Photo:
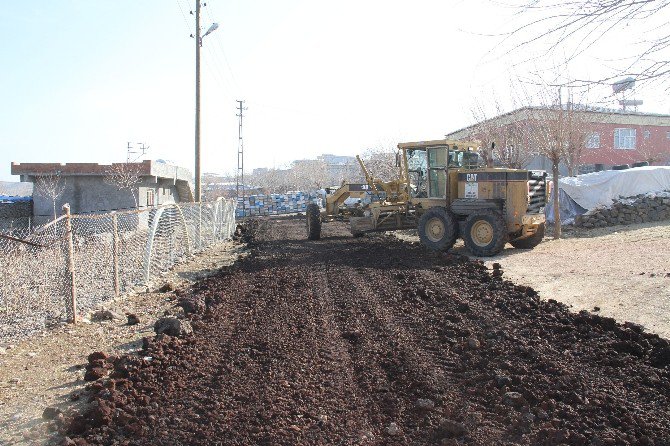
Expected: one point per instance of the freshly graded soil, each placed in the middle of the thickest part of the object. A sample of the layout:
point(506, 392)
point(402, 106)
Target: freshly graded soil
point(373, 341)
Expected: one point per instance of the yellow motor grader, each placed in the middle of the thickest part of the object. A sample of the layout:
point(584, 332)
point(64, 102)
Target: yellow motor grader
point(443, 192)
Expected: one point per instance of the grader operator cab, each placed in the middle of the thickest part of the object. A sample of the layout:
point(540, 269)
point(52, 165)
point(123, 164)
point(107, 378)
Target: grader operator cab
point(443, 191)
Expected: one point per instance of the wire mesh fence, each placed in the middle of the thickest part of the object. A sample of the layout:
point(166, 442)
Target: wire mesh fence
point(110, 255)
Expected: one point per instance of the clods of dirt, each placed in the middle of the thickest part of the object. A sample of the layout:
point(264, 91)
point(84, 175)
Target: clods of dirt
point(374, 341)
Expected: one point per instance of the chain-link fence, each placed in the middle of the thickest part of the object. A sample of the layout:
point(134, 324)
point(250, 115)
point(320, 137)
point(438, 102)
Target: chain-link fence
point(107, 254)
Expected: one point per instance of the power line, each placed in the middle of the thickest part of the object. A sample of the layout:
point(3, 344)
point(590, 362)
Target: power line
point(220, 47)
point(188, 24)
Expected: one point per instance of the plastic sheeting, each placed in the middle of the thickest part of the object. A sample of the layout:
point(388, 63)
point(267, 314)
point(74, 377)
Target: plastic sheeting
point(598, 189)
point(583, 193)
point(567, 207)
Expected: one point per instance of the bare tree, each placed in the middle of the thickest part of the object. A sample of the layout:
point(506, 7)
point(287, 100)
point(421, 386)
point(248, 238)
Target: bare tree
point(50, 186)
point(576, 26)
point(380, 162)
point(308, 175)
point(513, 148)
point(487, 130)
point(125, 176)
point(503, 141)
point(557, 133)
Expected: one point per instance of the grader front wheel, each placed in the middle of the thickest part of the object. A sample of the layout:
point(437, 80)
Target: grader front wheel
point(313, 215)
point(438, 229)
point(530, 242)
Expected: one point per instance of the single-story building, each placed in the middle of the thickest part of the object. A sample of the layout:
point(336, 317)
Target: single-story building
point(96, 188)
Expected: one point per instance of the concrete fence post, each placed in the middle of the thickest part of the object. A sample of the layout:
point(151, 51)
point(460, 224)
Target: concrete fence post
point(72, 304)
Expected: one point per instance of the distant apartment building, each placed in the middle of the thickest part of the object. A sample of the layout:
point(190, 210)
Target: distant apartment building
point(340, 167)
point(88, 187)
point(613, 137)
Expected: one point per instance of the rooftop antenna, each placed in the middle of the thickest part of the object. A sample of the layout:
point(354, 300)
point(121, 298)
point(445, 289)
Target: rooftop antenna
point(620, 87)
point(140, 150)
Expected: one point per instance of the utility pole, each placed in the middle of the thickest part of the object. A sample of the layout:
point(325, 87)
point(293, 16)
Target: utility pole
point(240, 156)
point(197, 101)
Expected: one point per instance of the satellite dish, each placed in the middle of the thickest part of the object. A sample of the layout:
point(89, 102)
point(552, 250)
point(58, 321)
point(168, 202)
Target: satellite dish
point(623, 85)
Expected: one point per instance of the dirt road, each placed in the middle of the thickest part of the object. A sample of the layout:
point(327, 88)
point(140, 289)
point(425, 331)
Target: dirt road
point(623, 271)
point(371, 341)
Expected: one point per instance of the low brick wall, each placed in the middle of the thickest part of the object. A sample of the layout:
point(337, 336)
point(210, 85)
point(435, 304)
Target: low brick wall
point(625, 211)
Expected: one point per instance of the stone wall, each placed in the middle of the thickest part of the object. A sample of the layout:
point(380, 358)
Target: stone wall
point(638, 209)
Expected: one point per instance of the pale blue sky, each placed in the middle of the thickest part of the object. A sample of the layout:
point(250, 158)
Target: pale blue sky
point(80, 78)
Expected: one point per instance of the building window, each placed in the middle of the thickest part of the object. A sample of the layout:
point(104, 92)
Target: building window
point(624, 138)
point(593, 140)
point(647, 134)
point(150, 198)
point(667, 135)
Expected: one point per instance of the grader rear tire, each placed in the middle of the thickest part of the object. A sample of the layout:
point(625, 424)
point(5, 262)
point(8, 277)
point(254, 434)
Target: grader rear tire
point(485, 233)
point(438, 229)
point(313, 217)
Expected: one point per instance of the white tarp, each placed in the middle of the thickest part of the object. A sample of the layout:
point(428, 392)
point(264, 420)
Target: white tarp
point(597, 189)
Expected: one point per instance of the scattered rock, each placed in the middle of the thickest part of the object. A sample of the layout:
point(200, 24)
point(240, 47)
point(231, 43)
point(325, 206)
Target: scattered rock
point(474, 344)
point(3, 351)
point(393, 429)
point(31, 354)
point(352, 336)
point(94, 374)
point(97, 356)
point(167, 287)
point(50, 413)
point(502, 380)
point(192, 305)
point(463, 307)
point(172, 326)
point(542, 414)
point(14, 381)
point(513, 399)
point(596, 309)
point(424, 404)
point(528, 418)
point(176, 311)
point(451, 428)
point(105, 315)
point(132, 319)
